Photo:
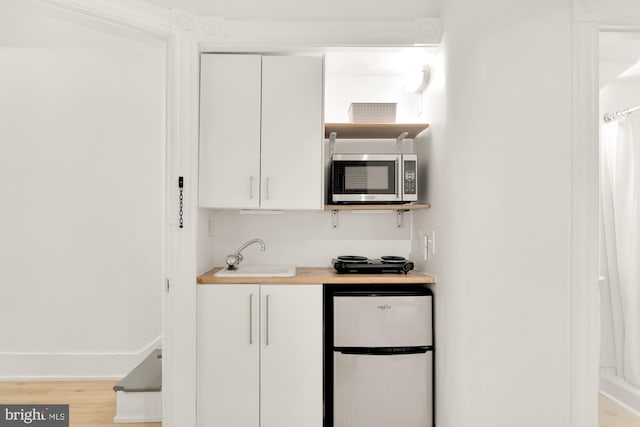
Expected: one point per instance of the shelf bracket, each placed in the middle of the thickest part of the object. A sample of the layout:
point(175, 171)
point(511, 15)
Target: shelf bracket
point(399, 216)
point(332, 141)
point(400, 139)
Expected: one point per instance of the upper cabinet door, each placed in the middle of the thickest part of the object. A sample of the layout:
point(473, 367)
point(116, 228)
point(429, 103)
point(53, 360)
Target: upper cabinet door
point(230, 131)
point(292, 105)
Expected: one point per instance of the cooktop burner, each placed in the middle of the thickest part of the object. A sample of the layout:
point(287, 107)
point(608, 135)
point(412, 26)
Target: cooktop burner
point(353, 259)
point(364, 265)
point(390, 259)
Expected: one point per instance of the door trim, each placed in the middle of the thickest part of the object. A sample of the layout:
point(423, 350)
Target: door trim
point(182, 30)
point(584, 328)
point(186, 35)
point(583, 297)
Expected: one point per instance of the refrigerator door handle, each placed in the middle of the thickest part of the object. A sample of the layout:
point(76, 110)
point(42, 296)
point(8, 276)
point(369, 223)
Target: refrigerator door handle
point(267, 340)
point(383, 351)
point(251, 319)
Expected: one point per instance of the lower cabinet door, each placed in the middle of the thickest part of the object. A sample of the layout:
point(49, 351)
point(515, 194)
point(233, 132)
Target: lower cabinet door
point(291, 358)
point(259, 356)
point(228, 356)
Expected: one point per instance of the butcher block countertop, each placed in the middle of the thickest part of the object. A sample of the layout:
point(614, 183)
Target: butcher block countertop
point(322, 275)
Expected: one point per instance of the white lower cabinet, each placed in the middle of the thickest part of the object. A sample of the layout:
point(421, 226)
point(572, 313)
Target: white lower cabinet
point(259, 356)
point(228, 355)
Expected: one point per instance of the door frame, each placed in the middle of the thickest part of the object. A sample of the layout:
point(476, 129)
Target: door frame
point(176, 29)
point(584, 298)
point(583, 292)
point(186, 35)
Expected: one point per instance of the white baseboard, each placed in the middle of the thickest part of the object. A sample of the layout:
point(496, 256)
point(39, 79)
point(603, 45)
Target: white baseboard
point(138, 407)
point(71, 366)
point(620, 391)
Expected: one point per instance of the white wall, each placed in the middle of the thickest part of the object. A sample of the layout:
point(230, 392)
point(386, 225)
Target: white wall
point(307, 238)
point(618, 12)
point(342, 90)
point(430, 148)
point(500, 208)
point(81, 166)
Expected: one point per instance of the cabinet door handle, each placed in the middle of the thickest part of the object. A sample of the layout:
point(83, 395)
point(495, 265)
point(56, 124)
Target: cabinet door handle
point(251, 319)
point(267, 323)
point(266, 190)
point(251, 187)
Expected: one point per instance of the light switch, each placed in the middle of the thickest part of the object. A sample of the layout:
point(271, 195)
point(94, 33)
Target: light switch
point(428, 244)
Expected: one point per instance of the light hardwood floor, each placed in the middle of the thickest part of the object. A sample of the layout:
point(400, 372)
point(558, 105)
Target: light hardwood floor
point(91, 403)
point(610, 414)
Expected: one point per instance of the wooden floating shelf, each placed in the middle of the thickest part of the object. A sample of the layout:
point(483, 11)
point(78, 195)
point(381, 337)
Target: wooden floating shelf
point(375, 207)
point(399, 210)
point(373, 130)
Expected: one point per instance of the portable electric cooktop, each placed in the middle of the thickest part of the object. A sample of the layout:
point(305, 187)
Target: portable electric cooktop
point(364, 265)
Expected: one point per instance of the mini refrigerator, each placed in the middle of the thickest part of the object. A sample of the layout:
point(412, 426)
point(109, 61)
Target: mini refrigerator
point(379, 362)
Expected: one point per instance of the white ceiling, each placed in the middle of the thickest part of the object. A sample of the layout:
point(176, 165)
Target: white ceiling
point(619, 57)
point(306, 9)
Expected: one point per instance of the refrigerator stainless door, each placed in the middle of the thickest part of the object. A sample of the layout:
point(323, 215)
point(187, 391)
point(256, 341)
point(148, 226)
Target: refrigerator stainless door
point(382, 321)
point(383, 391)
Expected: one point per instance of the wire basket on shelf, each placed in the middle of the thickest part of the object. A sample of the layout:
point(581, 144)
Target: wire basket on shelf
point(372, 112)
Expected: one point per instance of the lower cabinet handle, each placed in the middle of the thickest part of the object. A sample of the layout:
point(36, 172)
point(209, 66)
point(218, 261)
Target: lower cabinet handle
point(267, 323)
point(266, 191)
point(250, 319)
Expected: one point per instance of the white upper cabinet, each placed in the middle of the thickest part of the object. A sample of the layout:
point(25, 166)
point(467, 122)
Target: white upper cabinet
point(230, 131)
point(292, 134)
point(261, 131)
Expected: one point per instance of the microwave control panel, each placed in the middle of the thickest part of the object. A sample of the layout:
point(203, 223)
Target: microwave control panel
point(410, 185)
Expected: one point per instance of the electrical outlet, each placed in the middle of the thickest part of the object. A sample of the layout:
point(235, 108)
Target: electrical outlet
point(210, 226)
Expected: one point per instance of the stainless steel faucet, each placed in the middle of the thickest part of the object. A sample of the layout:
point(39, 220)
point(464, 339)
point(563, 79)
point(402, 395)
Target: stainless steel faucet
point(233, 261)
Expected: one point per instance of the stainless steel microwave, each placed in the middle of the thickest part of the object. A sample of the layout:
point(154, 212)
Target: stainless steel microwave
point(374, 178)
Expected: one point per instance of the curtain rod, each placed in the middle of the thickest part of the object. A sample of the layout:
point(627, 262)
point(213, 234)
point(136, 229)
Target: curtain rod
point(609, 117)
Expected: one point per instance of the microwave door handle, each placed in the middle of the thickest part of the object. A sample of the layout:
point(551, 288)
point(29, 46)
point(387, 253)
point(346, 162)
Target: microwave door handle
point(399, 176)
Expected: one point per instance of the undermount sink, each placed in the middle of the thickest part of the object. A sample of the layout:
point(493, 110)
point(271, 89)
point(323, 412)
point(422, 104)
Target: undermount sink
point(255, 270)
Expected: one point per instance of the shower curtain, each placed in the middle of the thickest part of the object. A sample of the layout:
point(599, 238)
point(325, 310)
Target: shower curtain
point(620, 243)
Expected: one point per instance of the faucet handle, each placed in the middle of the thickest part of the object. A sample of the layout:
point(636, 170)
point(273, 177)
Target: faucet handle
point(233, 261)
